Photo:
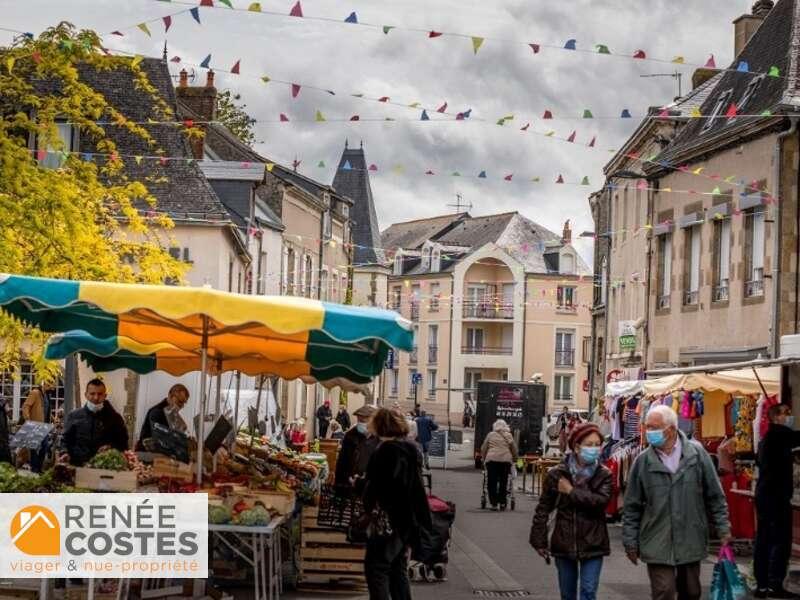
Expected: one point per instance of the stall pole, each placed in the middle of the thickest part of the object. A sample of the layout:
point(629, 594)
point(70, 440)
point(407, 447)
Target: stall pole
point(763, 389)
point(236, 404)
point(218, 402)
point(261, 379)
point(203, 401)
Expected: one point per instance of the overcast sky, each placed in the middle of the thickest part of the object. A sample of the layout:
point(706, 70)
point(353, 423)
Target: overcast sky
point(504, 78)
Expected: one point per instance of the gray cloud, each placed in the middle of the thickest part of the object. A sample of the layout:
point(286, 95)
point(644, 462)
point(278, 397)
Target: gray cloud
point(504, 78)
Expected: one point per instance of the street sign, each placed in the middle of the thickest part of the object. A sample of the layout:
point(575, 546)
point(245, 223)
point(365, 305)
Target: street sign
point(416, 378)
point(390, 359)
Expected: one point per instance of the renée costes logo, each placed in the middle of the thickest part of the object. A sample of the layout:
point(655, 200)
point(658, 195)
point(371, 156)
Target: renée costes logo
point(104, 535)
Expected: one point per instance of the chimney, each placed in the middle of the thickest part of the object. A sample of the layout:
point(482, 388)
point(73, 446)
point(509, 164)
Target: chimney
point(566, 235)
point(201, 102)
point(745, 26)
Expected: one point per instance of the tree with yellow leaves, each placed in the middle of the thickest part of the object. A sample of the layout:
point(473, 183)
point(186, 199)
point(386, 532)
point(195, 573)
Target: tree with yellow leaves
point(64, 214)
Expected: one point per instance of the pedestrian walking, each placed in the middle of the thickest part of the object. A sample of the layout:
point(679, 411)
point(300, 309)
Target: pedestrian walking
point(499, 452)
point(673, 492)
point(774, 490)
point(578, 491)
point(397, 508)
point(425, 428)
point(324, 416)
point(343, 417)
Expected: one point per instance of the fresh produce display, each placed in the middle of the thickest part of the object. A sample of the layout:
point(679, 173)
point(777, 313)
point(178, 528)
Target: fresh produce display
point(253, 517)
point(111, 460)
point(12, 480)
point(144, 473)
point(219, 514)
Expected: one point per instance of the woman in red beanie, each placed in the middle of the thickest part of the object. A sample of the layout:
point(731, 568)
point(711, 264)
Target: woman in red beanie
point(578, 490)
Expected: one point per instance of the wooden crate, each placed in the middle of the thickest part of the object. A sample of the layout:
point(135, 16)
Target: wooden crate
point(103, 480)
point(330, 448)
point(283, 502)
point(328, 562)
point(164, 466)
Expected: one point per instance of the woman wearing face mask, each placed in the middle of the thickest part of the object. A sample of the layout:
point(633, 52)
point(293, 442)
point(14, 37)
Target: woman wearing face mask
point(578, 490)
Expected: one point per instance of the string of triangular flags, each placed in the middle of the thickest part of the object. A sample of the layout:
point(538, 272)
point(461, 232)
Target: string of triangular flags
point(476, 42)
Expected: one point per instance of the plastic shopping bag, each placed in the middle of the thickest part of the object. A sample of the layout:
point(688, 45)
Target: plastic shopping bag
point(727, 583)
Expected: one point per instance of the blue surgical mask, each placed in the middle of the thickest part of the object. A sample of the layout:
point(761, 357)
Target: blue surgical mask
point(94, 407)
point(788, 421)
point(656, 438)
point(590, 454)
point(362, 428)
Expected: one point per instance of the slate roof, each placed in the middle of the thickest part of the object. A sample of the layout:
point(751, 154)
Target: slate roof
point(179, 187)
point(411, 235)
point(776, 43)
point(523, 239)
point(354, 183)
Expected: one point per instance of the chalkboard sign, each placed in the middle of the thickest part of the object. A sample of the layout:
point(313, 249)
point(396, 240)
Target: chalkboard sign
point(438, 445)
point(31, 435)
point(217, 435)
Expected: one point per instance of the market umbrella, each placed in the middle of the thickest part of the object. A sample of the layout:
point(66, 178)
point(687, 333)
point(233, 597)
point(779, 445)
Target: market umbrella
point(221, 326)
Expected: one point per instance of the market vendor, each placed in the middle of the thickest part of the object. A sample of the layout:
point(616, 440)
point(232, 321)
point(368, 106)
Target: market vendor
point(166, 413)
point(357, 448)
point(94, 427)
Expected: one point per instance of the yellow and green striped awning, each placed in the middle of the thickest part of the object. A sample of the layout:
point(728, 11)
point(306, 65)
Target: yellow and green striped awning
point(147, 327)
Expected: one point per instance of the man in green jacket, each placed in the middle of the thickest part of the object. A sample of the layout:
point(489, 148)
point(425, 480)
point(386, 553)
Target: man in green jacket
point(673, 491)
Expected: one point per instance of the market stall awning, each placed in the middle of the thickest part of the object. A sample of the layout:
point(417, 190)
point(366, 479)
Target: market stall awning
point(167, 326)
point(737, 381)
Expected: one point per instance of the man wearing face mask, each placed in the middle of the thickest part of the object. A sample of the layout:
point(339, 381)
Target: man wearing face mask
point(166, 413)
point(673, 491)
point(357, 448)
point(94, 427)
point(774, 490)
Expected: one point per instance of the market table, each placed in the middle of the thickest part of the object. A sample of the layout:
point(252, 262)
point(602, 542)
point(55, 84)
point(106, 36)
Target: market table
point(260, 547)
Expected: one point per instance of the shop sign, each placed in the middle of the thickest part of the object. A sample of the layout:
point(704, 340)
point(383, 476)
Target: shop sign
point(627, 336)
point(104, 535)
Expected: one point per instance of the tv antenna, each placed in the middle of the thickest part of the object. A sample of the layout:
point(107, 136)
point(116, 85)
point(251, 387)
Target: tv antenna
point(676, 75)
point(191, 75)
point(460, 205)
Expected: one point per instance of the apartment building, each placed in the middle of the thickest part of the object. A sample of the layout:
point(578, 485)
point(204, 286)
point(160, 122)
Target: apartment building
point(491, 297)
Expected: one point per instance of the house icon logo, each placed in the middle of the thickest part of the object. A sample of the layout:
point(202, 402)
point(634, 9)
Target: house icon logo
point(35, 530)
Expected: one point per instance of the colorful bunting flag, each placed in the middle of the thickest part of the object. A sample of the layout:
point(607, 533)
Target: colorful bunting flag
point(353, 18)
point(424, 116)
point(347, 166)
point(766, 113)
point(571, 137)
point(138, 159)
point(591, 144)
point(297, 10)
point(195, 12)
point(319, 118)
point(679, 60)
point(235, 68)
point(695, 112)
point(560, 179)
point(429, 173)
point(743, 66)
point(254, 7)
point(467, 113)
point(477, 42)
point(711, 63)
point(135, 62)
point(295, 90)
point(587, 114)
point(774, 72)
point(167, 22)
point(36, 56)
point(119, 33)
point(547, 115)
point(355, 118)
point(284, 118)
point(206, 62)
point(508, 177)
point(642, 185)
point(207, 3)
point(571, 45)
point(265, 78)
point(716, 192)
point(626, 114)
point(585, 180)
point(434, 34)
point(535, 48)
point(142, 26)
point(384, 99)
point(482, 175)
point(732, 111)
point(387, 28)
point(442, 108)
point(525, 127)
point(270, 166)
point(227, 3)
point(455, 174)
point(640, 54)
point(603, 49)
point(414, 105)
point(373, 167)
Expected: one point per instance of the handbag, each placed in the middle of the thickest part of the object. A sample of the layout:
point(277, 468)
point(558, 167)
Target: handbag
point(369, 525)
point(727, 582)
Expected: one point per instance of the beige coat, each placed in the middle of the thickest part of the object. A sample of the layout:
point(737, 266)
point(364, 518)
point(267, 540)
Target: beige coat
point(33, 407)
point(499, 447)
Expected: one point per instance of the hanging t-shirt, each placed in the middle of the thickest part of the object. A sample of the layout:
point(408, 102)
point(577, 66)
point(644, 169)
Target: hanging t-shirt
point(713, 420)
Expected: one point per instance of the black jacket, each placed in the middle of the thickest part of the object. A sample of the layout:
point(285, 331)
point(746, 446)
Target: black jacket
point(354, 455)
point(343, 418)
point(394, 483)
point(324, 414)
point(86, 432)
point(775, 485)
point(155, 415)
point(580, 530)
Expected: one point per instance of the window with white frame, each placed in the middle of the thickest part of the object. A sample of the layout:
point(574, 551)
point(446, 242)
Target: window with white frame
point(433, 344)
point(431, 383)
point(562, 388)
point(664, 271)
point(412, 373)
point(474, 340)
point(436, 261)
point(692, 246)
point(326, 225)
point(754, 251)
point(308, 276)
point(567, 264)
point(323, 282)
point(398, 263)
point(290, 272)
point(435, 295)
point(720, 107)
point(397, 296)
point(566, 297)
point(53, 156)
point(722, 259)
point(261, 287)
point(394, 382)
point(604, 281)
point(565, 348)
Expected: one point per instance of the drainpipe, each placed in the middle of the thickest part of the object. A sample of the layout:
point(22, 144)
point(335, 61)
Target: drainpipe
point(775, 338)
point(450, 350)
point(524, 322)
point(651, 202)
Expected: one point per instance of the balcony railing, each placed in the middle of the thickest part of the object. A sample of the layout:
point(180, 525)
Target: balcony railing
point(487, 310)
point(497, 350)
point(690, 298)
point(415, 311)
point(565, 358)
point(565, 399)
point(433, 354)
point(396, 304)
point(413, 356)
point(754, 288)
point(721, 293)
point(663, 301)
point(567, 308)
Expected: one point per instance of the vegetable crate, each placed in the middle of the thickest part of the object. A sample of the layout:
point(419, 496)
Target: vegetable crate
point(103, 480)
point(330, 448)
point(164, 466)
point(327, 560)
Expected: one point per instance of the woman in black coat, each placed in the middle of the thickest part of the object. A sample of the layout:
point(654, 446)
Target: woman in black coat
point(578, 490)
point(395, 496)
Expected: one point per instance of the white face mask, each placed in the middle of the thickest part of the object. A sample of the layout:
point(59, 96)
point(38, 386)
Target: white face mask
point(94, 407)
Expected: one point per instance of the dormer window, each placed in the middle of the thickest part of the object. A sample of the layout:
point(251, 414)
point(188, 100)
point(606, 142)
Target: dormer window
point(752, 88)
point(567, 264)
point(426, 258)
point(398, 264)
point(721, 106)
point(436, 261)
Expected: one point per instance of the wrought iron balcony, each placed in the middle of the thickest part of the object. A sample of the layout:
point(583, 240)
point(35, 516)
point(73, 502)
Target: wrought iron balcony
point(433, 354)
point(691, 298)
point(488, 350)
point(413, 356)
point(754, 288)
point(565, 358)
point(488, 310)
